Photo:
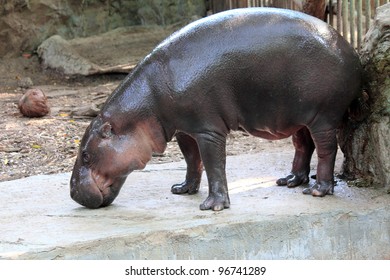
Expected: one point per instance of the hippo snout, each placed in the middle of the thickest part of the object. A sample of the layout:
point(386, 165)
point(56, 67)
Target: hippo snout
point(83, 190)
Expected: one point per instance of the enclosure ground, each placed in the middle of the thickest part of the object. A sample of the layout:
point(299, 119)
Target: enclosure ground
point(147, 221)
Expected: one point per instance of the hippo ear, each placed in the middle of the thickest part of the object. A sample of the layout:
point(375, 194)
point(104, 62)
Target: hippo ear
point(105, 130)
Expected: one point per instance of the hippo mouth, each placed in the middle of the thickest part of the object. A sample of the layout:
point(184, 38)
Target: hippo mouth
point(110, 192)
point(89, 192)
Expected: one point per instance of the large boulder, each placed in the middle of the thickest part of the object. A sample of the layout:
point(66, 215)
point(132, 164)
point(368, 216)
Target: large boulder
point(116, 51)
point(25, 24)
point(367, 145)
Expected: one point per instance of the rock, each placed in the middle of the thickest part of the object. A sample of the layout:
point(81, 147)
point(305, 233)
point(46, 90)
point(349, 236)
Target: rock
point(116, 51)
point(25, 82)
point(58, 54)
point(367, 145)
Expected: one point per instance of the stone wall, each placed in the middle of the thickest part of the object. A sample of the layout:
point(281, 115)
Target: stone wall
point(24, 24)
point(367, 146)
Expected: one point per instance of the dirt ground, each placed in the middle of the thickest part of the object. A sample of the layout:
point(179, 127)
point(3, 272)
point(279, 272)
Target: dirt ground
point(31, 146)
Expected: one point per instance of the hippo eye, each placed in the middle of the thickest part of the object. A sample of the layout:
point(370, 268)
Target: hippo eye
point(86, 157)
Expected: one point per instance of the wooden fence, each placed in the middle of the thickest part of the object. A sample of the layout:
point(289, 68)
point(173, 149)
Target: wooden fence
point(352, 18)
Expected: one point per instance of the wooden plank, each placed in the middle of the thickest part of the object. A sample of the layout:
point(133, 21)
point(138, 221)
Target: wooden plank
point(359, 23)
point(352, 22)
point(345, 18)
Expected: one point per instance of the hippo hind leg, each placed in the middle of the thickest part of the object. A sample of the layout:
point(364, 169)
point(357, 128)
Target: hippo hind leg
point(326, 146)
point(304, 148)
point(190, 150)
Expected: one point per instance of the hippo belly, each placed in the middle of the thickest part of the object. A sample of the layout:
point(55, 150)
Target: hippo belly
point(272, 72)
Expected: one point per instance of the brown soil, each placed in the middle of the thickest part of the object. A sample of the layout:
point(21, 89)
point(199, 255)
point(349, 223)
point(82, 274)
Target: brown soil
point(31, 146)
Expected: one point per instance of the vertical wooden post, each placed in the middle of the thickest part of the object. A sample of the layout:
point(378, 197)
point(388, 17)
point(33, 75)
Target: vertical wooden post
point(352, 22)
point(339, 8)
point(368, 14)
point(345, 18)
point(377, 3)
point(359, 23)
point(330, 8)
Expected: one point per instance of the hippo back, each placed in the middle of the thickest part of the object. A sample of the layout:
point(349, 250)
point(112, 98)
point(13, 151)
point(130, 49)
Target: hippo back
point(259, 62)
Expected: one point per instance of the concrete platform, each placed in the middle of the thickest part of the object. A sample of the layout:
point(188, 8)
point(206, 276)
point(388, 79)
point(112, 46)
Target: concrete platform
point(40, 221)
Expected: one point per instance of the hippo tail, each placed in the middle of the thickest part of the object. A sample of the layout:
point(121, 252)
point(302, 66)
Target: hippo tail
point(357, 112)
point(360, 108)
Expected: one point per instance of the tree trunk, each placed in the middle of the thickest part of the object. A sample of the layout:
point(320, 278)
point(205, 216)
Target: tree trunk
point(366, 145)
point(315, 8)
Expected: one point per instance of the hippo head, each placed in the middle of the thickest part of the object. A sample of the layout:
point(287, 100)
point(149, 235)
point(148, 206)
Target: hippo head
point(106, 156)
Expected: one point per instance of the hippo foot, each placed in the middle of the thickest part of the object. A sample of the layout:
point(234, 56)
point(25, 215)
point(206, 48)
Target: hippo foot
point(293, 180)
point(191, 187)
point(215, 203)
point(320, 190)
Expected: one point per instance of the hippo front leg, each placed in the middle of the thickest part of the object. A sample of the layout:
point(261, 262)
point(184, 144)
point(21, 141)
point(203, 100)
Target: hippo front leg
point(212, 148)
point(190, 150)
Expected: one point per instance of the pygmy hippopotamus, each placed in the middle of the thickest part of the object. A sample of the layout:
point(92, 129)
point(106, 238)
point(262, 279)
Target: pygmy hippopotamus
point(271, 72)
